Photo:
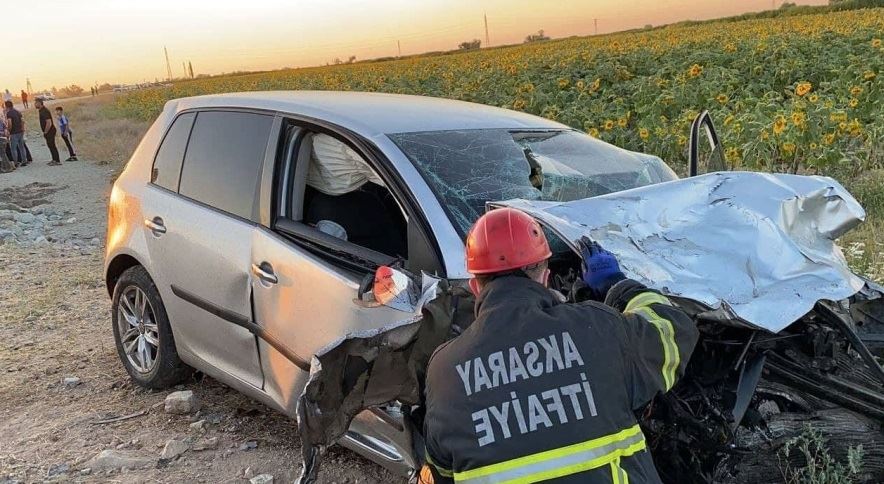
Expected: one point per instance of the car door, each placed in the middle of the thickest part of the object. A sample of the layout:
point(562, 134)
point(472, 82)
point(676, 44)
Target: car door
point(306, 283)
point(200, 238)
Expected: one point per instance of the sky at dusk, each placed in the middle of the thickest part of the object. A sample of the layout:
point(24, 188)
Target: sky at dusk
point(120, 41)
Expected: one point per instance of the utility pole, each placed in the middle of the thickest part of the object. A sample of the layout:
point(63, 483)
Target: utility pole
point(184, 68)
point(190, 69)
point(168, 66)
point(596, 22)
point(28, 83)
point(487, 39)
point(399, 46)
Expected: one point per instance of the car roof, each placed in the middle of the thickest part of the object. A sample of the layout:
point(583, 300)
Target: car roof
point(371, 114)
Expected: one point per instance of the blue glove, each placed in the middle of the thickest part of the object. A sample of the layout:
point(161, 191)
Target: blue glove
point(600, 268)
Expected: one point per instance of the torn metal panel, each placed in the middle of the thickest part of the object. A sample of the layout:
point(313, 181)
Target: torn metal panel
point(369, 368)
point(755, 247)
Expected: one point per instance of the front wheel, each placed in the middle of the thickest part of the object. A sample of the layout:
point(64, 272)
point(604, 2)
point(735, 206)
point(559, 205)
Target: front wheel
point(142, 333)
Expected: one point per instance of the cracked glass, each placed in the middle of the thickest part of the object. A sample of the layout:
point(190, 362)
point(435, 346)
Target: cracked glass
point(465, 169)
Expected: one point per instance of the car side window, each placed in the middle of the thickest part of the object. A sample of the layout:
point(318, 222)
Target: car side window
point(167, 164)
point(337, 193)
point(223, 161)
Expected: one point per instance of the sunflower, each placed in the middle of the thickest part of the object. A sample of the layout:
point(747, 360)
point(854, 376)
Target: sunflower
point(869, 75)
point(563, 83)
point(622, 122)
point(581, 85)
point(695, 70)
point(519, 104)
point(721, 98)
point(798, 118)
point(829, 138)
point(854, 102)
point(644, 133)
point(593, 132)
point(779, 124)
point(803, 88)
point(856, 91)
point(876, 43)
point(789, 148)
point(609, 125)
point(813, 98)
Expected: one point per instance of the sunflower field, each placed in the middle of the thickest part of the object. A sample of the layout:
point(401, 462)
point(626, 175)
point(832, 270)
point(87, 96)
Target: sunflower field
point(797, 94)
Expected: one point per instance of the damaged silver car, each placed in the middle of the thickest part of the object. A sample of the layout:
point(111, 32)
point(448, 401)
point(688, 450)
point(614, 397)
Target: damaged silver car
point(306, 248)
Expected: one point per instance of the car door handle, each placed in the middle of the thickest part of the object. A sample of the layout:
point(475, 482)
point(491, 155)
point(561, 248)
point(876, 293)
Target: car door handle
point(155, 225)
point(265, 273)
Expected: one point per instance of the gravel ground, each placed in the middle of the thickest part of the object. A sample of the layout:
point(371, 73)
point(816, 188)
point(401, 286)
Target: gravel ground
point(60, 377)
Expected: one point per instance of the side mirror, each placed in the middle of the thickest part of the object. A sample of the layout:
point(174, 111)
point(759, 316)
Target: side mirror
point(710, 158)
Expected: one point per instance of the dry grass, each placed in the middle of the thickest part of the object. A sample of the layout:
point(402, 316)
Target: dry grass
point(98, 135)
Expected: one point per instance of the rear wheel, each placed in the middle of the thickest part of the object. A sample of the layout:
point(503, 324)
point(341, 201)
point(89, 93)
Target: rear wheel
point(142, 333)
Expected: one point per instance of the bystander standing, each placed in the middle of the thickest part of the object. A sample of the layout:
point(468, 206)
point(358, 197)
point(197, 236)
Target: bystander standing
point(49, 131)
point(64, 125)
point(16, 127)
point(5, 164)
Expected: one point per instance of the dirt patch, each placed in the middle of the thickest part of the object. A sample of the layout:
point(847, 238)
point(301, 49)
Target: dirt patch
point(55, 324)
point(27, 196)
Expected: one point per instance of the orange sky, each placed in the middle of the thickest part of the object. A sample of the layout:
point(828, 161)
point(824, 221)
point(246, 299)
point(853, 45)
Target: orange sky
point(88, 41)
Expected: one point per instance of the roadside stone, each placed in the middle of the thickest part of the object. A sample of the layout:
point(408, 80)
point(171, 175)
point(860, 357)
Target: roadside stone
point(71, 381)
point(41, 241)
point(109, 460)
point(198, 426)
point(206, 444)
point(85, 471)
point(182, 402)
point(24, 217)
point(7, 215)
point(94, 241)
point(71, 220)
point(174, 448)
point(58, 469)
point(248, 473)
point(250, 445)
point(262, 479)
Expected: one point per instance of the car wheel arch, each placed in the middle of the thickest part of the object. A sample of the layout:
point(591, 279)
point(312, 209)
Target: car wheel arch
point(119, 264)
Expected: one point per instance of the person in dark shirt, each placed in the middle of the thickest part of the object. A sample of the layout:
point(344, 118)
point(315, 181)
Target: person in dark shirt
point(16, 126)
point(49, 131)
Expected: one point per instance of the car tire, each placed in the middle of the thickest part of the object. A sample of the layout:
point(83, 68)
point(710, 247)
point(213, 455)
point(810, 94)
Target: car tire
point(151, 360)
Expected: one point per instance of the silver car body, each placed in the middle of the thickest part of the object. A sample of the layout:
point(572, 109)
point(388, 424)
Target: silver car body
point(204, 262)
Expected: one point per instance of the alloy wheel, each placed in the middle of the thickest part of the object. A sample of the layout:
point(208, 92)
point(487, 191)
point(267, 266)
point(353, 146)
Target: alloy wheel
point(139, 334)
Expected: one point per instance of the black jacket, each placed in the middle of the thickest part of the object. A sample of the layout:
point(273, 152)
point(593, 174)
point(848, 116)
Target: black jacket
point(538, 390)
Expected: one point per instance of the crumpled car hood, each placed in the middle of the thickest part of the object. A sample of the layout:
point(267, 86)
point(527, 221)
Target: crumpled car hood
point(754, 247)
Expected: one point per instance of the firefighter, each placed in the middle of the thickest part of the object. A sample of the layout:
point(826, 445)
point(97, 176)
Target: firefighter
point(538, 390)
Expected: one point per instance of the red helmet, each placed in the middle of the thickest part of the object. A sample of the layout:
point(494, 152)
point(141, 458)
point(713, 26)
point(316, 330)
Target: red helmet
point(504, 240)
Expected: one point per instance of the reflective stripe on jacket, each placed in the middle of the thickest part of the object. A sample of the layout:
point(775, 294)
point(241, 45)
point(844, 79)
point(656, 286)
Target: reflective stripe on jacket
point(536, 390)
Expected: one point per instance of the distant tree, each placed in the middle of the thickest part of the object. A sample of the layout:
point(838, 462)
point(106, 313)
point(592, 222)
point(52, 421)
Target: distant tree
point(786, 5)
point(470, 45)
point(106, 87)
point(648, 26)
point(538, 37)
point(338, 61)
point(69, 91)
point(351, 59)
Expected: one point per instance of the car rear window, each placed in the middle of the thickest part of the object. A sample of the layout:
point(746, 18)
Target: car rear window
point(167, 164)
point(223, 160)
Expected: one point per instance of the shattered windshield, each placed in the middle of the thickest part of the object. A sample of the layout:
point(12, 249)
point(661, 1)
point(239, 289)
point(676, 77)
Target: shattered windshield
point(466, 169)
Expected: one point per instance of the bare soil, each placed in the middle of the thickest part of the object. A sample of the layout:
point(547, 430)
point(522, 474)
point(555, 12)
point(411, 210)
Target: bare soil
point(55, 324)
